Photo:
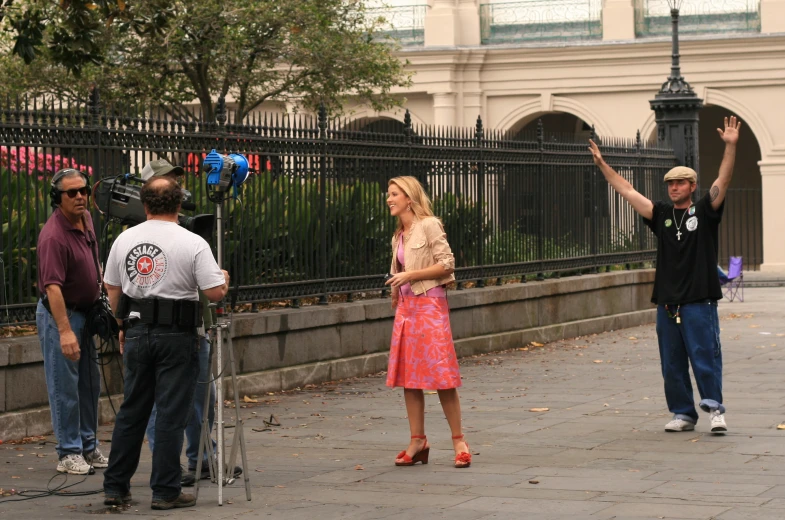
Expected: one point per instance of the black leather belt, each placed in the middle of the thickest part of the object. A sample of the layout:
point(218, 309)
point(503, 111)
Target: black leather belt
point(159, 311)
point(77, 308)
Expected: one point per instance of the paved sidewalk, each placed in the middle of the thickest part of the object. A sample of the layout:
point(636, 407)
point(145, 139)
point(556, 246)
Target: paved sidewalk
point(599, 452)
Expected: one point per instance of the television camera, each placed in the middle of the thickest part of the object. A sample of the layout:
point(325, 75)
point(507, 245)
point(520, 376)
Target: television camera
point(119, 199)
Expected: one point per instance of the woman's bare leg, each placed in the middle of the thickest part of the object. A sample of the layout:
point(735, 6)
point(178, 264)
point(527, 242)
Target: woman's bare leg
point(415, 409)
point(451, 404)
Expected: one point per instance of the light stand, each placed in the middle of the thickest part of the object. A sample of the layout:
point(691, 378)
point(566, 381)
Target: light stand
point(223, 173)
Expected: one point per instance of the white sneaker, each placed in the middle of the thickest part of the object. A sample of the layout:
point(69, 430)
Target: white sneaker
point(718, 422)
point(679, 425)
point(96, 459)
point(73, 464)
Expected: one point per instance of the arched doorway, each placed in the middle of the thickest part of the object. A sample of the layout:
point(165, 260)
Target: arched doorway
point(521, 186)
point(741, 231)
point(556, 126)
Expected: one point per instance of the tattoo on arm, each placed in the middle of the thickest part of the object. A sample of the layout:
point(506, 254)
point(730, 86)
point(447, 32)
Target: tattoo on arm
point(714, 193)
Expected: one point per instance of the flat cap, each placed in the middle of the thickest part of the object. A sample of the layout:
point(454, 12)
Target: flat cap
point(681, 172)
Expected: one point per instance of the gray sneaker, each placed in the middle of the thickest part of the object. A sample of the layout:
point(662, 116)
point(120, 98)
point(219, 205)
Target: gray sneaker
point(73, 464)
point(96, 459)
point(679, 425)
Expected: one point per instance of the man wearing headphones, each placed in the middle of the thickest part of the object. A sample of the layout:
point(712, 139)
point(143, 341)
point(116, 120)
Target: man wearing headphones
point(153, 276)
point(68, 276)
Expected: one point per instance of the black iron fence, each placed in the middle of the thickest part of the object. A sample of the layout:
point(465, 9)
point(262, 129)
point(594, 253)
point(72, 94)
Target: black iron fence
point(741, 231)
point(312, 220)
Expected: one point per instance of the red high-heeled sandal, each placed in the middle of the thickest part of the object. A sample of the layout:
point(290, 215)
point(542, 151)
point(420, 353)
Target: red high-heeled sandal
point(420, 456)
point(463, 459)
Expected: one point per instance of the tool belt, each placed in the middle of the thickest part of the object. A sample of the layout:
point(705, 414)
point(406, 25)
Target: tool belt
point(160, 311)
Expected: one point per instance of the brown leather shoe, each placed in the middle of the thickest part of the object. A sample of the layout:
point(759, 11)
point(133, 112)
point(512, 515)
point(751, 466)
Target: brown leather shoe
point(115, 500)
point(183, 500)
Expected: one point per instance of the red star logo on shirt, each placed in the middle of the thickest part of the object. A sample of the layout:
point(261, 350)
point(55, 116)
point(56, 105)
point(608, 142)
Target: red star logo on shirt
point(144, 265)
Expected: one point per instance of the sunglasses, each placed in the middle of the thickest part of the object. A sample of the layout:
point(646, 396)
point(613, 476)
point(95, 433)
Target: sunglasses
point(83, 191)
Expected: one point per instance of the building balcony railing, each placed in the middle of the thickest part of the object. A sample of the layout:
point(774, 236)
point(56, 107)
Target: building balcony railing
point(540, 20)
point(403, 23)
point(652, 17)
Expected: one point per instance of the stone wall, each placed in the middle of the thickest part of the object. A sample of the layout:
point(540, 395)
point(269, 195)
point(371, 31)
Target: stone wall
point(289, 348)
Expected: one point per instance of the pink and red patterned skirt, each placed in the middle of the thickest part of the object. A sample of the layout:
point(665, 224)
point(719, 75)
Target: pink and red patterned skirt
point(422, 353)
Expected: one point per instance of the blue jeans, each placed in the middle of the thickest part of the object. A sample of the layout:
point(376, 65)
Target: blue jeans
point(193, 431)
point(695, 341)
point(73, 386)
point(161, 368)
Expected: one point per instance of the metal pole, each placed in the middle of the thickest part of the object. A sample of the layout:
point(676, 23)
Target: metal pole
point(219, 391)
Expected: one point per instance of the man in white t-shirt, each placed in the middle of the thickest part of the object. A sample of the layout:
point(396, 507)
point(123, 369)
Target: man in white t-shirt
point(153, 275)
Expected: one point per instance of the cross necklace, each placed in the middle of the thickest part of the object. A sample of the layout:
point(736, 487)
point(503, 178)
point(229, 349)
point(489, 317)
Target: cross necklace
point(678, 226)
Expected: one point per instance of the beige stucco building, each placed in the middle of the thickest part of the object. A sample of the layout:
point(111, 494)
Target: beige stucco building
point(601, 61)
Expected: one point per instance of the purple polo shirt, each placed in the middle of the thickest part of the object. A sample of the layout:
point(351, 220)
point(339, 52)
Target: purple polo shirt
point(65, 258)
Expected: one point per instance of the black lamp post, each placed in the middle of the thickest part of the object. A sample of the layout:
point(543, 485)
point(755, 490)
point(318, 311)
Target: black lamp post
point(676, 106)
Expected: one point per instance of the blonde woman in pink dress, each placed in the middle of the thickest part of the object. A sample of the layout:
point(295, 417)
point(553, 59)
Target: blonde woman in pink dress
point(422, 353)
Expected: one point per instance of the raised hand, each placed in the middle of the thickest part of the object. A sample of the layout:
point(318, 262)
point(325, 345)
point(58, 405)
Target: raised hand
point(595, 152)
point(731, 132)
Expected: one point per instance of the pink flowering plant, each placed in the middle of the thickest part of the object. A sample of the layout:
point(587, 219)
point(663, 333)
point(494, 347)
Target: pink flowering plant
point(25, 173)
point(32, 162)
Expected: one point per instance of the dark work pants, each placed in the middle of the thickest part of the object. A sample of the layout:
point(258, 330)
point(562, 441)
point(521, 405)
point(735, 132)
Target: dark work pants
point(161, 368)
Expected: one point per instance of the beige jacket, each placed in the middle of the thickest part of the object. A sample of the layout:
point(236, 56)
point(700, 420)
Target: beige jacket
point(425, 246)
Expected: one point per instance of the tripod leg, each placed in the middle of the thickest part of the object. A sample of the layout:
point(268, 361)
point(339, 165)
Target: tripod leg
point(239, 437)
point(219, 419)
point(205, 442)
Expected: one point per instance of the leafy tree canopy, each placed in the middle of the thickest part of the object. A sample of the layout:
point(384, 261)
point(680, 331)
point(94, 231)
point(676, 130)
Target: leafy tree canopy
point(301, 51)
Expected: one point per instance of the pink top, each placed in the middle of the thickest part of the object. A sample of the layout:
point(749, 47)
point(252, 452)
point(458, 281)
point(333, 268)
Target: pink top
point(406, 290)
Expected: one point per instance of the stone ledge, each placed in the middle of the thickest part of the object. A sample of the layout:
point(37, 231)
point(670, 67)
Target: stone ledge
point(38, 421)
point(288, 320)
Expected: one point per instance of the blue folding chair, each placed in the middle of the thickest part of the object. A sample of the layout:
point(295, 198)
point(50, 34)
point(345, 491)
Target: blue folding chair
point(733, 287)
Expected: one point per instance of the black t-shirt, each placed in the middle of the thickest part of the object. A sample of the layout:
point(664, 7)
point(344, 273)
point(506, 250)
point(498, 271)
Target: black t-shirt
point(687, 241)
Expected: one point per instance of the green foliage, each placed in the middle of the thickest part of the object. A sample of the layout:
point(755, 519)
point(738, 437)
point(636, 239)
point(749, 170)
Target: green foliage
point(276, 232)
point(463, 225)
point(510, 246)
point(174, 51)
point(24, 204)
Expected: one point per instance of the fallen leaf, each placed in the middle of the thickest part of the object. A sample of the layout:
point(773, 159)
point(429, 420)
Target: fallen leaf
point(539, 409)
point(430, 393)
point(359, 467)
point(597, 361)
point(632, 338)
point(534, 482)
point(535, 344)
point(781, 426)
point(249, 400)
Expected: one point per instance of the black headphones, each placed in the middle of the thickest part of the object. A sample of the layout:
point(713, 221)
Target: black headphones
point(55, 197)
